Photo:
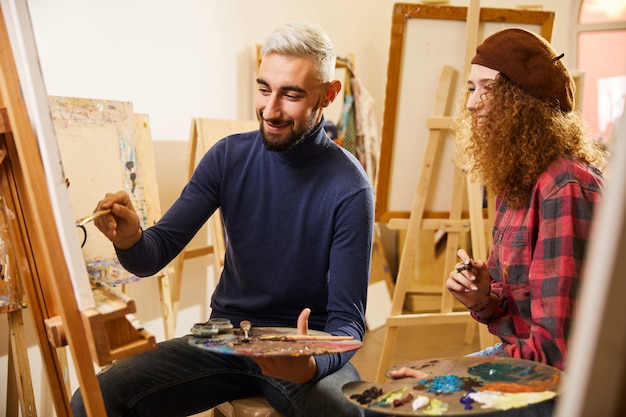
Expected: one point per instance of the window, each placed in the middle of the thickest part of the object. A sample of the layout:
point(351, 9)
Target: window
point(601, 57)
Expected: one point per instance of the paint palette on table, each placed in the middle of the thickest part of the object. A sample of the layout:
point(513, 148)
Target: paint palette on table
point(274, 341)
point(459, 386)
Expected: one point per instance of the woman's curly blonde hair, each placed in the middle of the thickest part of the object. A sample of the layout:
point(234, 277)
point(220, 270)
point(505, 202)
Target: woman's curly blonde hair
point(517, 140)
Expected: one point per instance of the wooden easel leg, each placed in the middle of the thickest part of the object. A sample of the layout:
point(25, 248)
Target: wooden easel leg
point(18, 353)
point(386, 353)
point(12, 396)
point(470, 332)
point(64, 365)
point(167, 308)
point(486, 339)
point(411, 244)
point(176, 282)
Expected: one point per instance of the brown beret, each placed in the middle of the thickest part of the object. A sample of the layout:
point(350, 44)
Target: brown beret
point(530, 62)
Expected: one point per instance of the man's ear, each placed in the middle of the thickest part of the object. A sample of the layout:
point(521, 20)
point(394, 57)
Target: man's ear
point(333, 89)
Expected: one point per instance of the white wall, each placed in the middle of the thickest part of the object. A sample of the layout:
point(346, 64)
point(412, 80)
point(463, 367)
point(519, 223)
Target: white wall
point(195, 58)
point(192, 58)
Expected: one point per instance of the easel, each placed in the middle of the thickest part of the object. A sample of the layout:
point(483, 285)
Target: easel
point(454, 223)
point(19, 381)
point(37, 199)
point(203, 135)
point(144, 138)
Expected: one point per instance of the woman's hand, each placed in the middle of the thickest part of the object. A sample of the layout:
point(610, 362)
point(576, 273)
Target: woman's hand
point(470, 283)
point(405, 372)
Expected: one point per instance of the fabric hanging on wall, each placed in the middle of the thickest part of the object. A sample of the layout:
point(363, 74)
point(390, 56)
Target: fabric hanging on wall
point(357, 128)
point(348, 127)
point(368, 141)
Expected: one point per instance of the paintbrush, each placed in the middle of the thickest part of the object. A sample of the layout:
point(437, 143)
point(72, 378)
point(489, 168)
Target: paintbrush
point(466, 266)
point(92, 216)
point(278, 337)
point(245, 326)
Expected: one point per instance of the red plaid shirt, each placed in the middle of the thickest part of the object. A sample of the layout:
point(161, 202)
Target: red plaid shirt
point(536, 260)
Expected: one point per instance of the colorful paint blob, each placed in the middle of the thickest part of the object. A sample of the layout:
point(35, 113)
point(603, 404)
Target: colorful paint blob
point(436, 408)
point(447, 384)
point(498, 371)
point(386, 400)
point(507, 400)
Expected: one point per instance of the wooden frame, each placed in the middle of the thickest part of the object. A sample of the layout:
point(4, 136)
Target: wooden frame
point(403, 14)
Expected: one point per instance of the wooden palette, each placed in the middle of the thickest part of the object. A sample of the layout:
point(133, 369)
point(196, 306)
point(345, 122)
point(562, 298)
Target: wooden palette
point(274, 341)
point(459, 386)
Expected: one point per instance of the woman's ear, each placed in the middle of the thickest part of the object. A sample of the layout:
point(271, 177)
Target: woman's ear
point(333, 89)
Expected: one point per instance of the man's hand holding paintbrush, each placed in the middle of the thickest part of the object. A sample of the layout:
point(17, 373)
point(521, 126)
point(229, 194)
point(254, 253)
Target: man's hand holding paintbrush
point(121, 224)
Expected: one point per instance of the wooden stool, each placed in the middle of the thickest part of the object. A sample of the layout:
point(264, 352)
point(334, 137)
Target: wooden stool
point(247, 407)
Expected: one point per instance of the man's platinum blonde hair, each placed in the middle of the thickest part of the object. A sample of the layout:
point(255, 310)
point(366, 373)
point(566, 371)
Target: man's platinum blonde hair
point(304, 40)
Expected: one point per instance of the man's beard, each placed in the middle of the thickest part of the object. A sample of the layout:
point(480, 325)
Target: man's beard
point(286, 141)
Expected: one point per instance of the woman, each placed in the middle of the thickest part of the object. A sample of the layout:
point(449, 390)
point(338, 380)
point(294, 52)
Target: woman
point(519, 136)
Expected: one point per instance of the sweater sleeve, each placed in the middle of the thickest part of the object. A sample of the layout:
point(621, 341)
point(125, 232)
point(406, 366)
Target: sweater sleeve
point(349, 276)
point(161, 242)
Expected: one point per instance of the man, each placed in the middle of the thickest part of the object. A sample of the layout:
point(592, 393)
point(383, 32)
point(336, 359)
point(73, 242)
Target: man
point(298, 212)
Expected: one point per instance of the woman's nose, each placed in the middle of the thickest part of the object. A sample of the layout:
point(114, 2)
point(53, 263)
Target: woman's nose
point(471, 102)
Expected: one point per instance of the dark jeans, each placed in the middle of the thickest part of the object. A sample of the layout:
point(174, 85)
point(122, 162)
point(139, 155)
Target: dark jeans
point(178, 379)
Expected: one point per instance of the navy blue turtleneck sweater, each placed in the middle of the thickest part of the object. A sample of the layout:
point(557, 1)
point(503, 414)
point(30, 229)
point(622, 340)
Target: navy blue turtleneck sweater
point(299, 228)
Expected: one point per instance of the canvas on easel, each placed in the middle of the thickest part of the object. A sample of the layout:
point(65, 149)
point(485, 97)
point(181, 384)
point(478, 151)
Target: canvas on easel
point(417, 53)
point(416, 58)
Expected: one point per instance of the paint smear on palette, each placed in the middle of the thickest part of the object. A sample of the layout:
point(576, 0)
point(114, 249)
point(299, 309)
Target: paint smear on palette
point(259, 344)
point(508, 400)
point(447, 384)
point(436, 408)
point(503, 371)
point(387, 400)
point(515, 377)
point(275, 348)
